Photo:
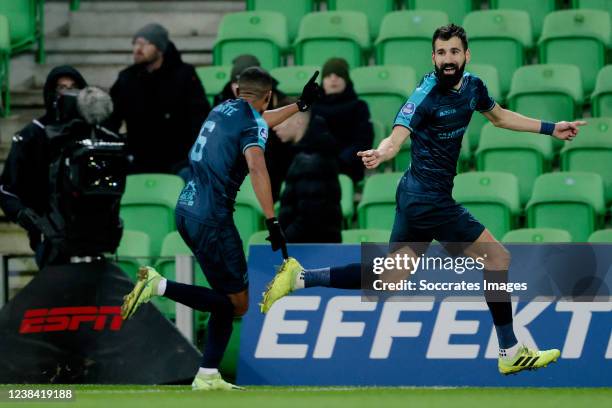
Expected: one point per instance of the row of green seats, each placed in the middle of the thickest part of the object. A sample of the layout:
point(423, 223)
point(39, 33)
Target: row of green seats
point(573, 201)
point(498, 37)
point(457, 10)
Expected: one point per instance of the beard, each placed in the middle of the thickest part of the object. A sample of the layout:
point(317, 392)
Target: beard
point(446, 80)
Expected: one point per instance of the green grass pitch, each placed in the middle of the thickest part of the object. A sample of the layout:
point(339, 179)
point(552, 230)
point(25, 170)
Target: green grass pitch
point(119, 396)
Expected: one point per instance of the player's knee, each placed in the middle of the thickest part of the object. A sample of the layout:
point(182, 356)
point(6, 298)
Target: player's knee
point(240, 309)
point(500, 262)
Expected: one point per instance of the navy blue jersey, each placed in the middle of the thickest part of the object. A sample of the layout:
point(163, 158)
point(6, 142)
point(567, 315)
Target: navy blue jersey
point(218, 165)
point(437, 119)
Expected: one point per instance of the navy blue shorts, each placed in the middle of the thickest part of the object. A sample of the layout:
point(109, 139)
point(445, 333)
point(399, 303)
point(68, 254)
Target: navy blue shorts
point(219, 253)
point(423, 218)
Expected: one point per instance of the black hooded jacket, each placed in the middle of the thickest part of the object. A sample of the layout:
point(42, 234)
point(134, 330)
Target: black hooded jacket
point(163, 111)
point(310, 209)
point(348, 119)
point(25, 180)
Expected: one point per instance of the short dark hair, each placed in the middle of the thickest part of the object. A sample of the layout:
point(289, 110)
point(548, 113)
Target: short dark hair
point(447, 32)
point(255, 81)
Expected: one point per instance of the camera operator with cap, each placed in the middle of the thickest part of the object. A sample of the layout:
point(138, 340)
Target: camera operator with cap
point(24, 184)
point(162, 102)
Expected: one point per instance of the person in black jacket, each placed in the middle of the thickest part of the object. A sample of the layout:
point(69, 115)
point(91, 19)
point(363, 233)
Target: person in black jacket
point(162, 102)
point(310, 209)
point(24, 184)
point(347, 116)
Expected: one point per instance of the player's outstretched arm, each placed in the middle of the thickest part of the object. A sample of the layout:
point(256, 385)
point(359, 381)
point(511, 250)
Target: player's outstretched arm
point(260, 179)
point(311, 92)
point(507, 119)
point(388, 148)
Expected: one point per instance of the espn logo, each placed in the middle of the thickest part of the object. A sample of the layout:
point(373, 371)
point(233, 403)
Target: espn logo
point(70, 319)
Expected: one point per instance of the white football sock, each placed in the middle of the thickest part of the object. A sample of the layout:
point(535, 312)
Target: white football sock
point(161, 287)
point(299, 280)
point(207, 371)
point(509, 353)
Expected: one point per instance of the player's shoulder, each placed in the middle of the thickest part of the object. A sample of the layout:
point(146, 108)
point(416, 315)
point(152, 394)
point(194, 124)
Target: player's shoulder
point(424, 89)
point(472, 78)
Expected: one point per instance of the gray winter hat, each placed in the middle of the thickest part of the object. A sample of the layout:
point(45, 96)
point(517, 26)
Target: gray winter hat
point(154, 33)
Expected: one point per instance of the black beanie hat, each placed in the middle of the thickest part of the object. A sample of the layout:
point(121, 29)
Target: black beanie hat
point(154, 33)
point(241, 63)
point(337, 66)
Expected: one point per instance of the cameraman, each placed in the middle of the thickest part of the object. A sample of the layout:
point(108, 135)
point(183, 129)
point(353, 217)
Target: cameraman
point(47, 181)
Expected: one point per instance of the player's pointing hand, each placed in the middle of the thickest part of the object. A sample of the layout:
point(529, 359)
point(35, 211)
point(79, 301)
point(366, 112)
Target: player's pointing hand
point(370, 158)
point(567, 130)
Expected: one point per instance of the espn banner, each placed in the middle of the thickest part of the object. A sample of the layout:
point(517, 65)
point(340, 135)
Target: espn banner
point(324, 336)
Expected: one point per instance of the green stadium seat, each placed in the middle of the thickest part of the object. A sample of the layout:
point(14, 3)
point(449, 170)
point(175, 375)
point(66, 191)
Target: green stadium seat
point(357, 236)
point(502, 149)
point(248, 215)
point(374, 9)
point(133, 252)
point(377, 206)
point(572, 201)
point(384, 88)
point(605, 5)
point(5, 63)
point(465, 156)
point(402, 161)
point(26, 19)
point(347, 198)
point(401, 31)
point(261, 33)
point(603, 236)
point(550, 92)
point(591, 151)
point(293, 10)
point(490, 76)
point(491, 197)
point(148, 205)
point(537, 235)
point(500, 38)
point(601, 100)
point(259, 238)
point(537, 10)
point(380, 132)
point(581, 34)
point(456, 9)
point(324, 35)
point(172, 246)
point(291, 80)
point(213, 79)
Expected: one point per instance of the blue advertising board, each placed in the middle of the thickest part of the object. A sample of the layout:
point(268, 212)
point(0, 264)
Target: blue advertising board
point(327, 337)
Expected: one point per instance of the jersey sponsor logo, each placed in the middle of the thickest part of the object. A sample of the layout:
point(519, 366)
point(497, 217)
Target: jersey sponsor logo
point(71, 318)
point(447, 112)
point(263, 133)
point(408, 109)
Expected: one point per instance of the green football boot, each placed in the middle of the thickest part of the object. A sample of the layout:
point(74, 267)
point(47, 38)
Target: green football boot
point(144, 290)
point(527, 359)
point(282, 284)
point(212, 382)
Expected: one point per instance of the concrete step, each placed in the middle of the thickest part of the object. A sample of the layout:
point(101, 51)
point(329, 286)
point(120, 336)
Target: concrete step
point(224, 6)
point(121, 23)
point(100, 75)
point(13, 240)
point(121, 44)
point(31, 98)
point(116, 59)
point(18, 119)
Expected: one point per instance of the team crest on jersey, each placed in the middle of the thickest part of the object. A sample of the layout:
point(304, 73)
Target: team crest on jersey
point(408, 109)
point(473, 103)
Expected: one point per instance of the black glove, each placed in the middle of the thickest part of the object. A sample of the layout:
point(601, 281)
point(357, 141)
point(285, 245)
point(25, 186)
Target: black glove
point(311, 92)
point(277, 236)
